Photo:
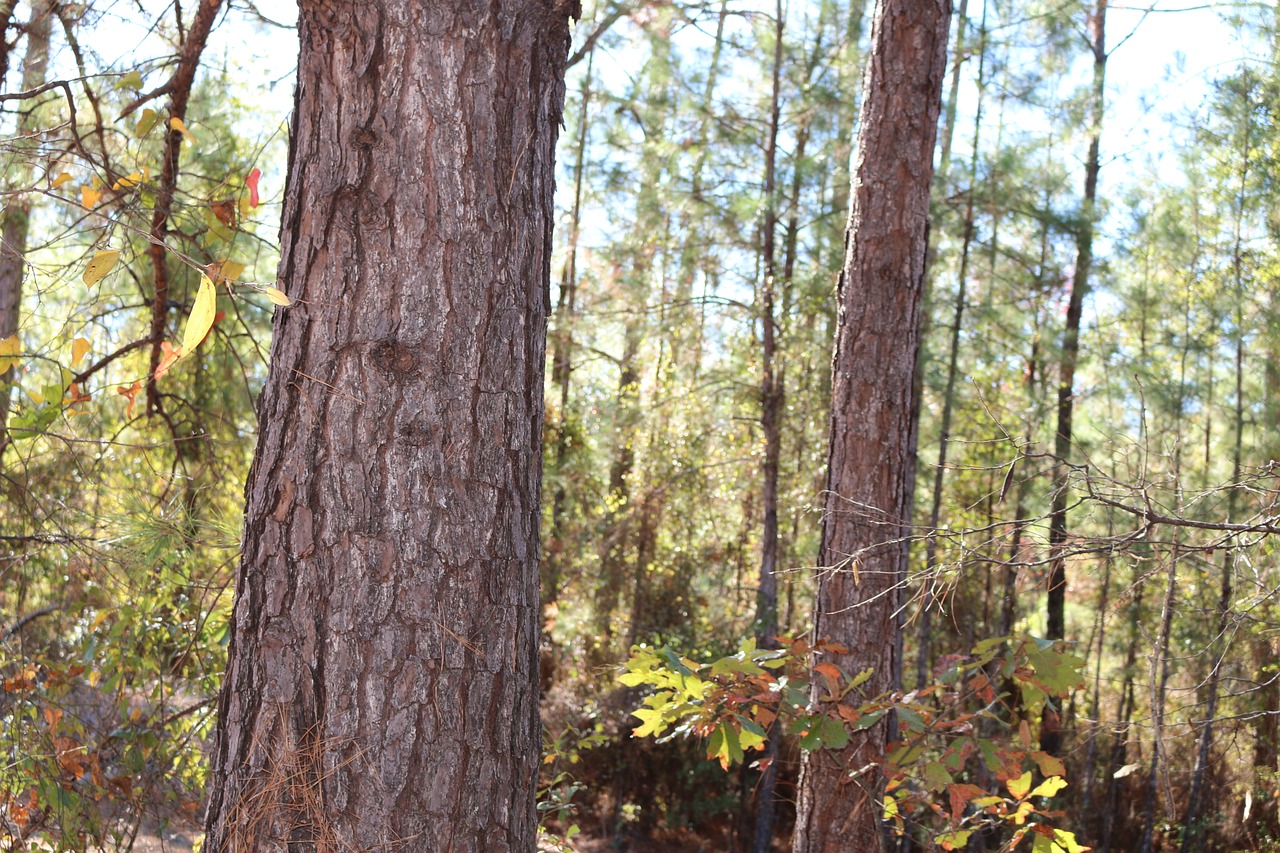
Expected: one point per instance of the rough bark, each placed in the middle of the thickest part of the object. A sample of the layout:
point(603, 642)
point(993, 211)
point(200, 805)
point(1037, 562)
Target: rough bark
point(17, 213)
point(877, 342)
point(382, 686)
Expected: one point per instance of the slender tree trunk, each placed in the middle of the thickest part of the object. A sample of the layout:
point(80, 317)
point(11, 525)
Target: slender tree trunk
point(867, 506)
point(382, 683)
point(1193, 833)
point(179, 94)
point(924, 636)
point(772, 397)
point(562, 362)
point(1159, 684)
point(7, 8)
point(1050, 732)
point(15, 224)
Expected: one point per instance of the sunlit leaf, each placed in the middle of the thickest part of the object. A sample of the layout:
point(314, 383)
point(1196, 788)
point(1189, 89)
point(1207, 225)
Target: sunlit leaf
point(277, 296)
point(1020, 786)
point(99, 266)
point(79, 347)
point(132, 180)
point(89, 197)
point(63, 178)
point(201, 319)
point(954, 840)
point(1049, 787)
point(226, 270)
point(179, 125)
point(9, 349)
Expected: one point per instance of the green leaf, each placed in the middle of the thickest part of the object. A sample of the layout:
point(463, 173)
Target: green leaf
point(146, 122)
point(866, 721)
point(834, 734)
point(132, 80)
point(913, 720)
point(936, 776)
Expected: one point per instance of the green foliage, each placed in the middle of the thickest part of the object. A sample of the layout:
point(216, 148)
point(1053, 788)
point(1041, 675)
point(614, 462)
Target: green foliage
point(949, 734)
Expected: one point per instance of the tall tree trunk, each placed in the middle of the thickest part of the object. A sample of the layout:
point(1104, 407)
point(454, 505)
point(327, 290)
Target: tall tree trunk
point(382, 682)
point(7, 8)
point(1193, 833)
point(1050, 731)
point(16, 223)
point(179, 94)
point(924, 637)
point(1159, 684)
point(562, 361)
point(772, 396)
point(867, 505)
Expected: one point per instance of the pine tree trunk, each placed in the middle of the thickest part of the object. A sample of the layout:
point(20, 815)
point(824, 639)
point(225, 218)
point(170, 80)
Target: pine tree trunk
point(382, 685)
point(1056, 616)
point(869, 463)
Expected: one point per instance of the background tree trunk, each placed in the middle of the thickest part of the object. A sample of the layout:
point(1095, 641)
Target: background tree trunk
point(867, 501)
point(382, 686)
point(16, 223)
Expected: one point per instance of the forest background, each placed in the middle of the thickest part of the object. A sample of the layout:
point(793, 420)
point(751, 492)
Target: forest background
point(702, 204)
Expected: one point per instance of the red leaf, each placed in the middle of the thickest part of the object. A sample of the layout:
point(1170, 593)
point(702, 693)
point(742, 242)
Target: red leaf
point(252, 183)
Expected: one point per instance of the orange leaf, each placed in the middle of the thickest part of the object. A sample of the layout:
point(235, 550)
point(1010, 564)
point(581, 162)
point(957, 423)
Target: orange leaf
point(52, 716)
point(252, 183)
point(225, 211)
point(131, 392)
point(170, 355)
point(830, 673)
point(960, 795)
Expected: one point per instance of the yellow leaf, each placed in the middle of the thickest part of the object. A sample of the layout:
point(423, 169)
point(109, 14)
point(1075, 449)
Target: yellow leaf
point(201, 319)
point(277, 296)
point(135, 714)
point(89, 197)
point(129, 181)
point(79, 347)
point(179, 125)
point(59, 181)
point(227, 270)
point(1049, 787)
point(101, 264)
point(99, 619)
point(9, 349)
point(1019, 787)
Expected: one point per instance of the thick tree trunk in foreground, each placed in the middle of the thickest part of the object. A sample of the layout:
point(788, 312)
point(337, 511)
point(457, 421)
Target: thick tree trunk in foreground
point(382, 687)
point(869, 464)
